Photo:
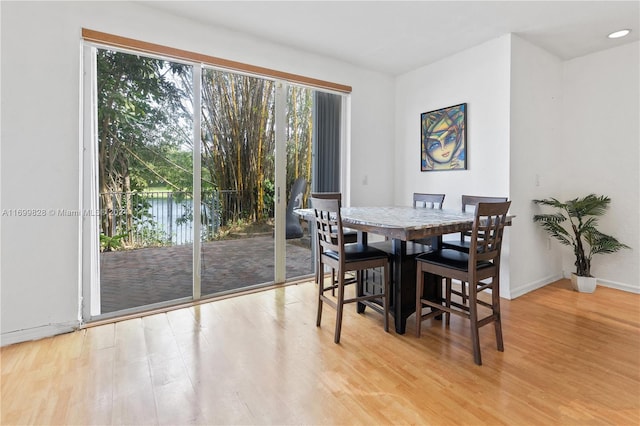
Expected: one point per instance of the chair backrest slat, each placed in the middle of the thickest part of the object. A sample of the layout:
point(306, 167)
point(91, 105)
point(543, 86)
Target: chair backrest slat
point(473, 200)
point(431, 201)
point(488, 228)
point(328, 221)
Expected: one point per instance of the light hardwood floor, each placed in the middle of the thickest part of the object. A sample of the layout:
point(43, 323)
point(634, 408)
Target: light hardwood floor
point(569, 358)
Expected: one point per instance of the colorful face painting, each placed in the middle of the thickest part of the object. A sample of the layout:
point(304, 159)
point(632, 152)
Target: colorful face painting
point(443, 144)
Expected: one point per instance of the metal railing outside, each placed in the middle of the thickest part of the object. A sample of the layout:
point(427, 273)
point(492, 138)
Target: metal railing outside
point(157, 218)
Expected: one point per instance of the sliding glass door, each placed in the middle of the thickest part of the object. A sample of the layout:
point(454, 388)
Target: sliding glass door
point(194, 172)
point(299, 178)
point(238, 181)
point(145, 190)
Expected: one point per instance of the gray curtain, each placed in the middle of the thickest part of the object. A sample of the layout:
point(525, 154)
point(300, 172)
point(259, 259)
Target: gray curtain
point(326, 142)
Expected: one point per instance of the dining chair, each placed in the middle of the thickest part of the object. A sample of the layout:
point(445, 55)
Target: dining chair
point(480, 264)
point(431, 201)
point(427, 201)
point(342, 258)
point(350, 237)
point(464, 242)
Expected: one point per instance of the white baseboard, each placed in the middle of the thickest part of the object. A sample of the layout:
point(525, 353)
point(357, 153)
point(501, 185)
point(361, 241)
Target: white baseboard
point(618, 286)
point(37, 333)
point(527, 288)
point(524, 289)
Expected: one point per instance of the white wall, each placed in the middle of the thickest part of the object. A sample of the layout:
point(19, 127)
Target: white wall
point(40, 169)
point(601, 141)
point(480, 77)
point(530, 116)
point(372, 147)
point(535, 164)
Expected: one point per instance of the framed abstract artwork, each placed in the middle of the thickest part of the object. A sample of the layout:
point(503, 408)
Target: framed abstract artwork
point(443, 144)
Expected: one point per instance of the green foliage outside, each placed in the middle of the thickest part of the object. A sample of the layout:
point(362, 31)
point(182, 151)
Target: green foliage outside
point(145, 142)
point(111, 243)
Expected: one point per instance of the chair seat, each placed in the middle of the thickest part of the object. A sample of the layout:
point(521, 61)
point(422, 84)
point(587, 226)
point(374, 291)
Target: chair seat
point(451, 259)
point(356, 252)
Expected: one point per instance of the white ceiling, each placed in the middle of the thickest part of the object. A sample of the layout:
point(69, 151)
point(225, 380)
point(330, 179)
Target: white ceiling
point(398, 36)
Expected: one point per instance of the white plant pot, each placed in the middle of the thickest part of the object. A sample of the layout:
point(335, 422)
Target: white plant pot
point(583, 284)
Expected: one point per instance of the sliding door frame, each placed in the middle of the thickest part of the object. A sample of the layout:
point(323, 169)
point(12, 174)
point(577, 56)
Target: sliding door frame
point(280, 183)
point(89, 241)
point(197, 179)
point(89, 266)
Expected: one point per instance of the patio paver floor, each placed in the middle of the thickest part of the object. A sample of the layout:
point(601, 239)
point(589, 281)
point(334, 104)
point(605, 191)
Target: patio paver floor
point(151, 275)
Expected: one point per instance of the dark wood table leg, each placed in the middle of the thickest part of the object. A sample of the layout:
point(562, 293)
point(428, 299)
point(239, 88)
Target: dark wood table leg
point(362, 239)
point(403, 286)
point(403, 283)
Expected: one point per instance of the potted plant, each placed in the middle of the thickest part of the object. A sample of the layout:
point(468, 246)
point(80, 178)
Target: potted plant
point(575, 224)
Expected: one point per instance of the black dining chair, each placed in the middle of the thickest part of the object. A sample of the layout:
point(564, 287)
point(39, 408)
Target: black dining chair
point(342, 258)
point(479, 265)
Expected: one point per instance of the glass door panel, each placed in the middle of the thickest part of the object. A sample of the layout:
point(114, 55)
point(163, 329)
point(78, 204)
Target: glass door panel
point(145, 180)
point(238, 175)
point(299, 136)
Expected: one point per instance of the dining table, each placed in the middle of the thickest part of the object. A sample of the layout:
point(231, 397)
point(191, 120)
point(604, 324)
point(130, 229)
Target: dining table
point(401, 225)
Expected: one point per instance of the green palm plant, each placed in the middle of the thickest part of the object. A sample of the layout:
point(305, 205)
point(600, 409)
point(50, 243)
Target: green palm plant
point(575, 224)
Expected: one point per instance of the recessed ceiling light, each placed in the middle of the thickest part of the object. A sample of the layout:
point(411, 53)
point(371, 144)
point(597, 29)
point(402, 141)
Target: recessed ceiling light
point(619, 34)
